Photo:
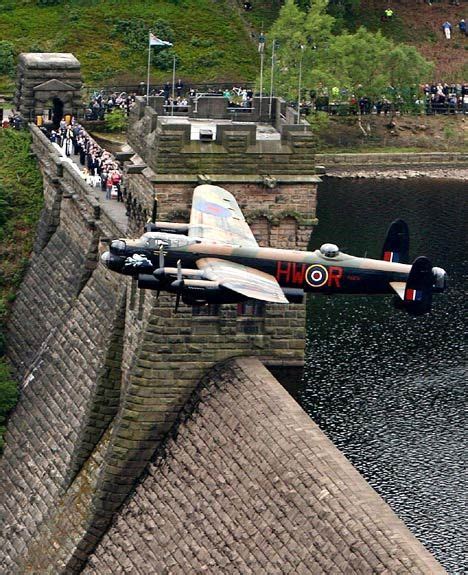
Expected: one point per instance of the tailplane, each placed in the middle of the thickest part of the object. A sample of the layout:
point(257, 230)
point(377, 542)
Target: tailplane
point(416, 294)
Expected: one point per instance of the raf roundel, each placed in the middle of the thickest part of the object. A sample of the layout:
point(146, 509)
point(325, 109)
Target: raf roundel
point(316, 276)
point(212, 208)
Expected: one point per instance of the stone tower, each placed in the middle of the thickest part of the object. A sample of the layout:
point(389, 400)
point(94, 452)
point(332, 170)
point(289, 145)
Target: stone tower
point(48, 86)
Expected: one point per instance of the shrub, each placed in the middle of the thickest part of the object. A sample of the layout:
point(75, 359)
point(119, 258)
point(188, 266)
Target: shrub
point(116, 121)
point(49, 2)
point(164, 59)
point(211, 59)
point(201, 42)
point(7, 58)
point(8, 396)
point(134, 32)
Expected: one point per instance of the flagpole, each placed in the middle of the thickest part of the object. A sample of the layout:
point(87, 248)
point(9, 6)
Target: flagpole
point(148, 73)
point(299, 87)
point(261, 84)
point(271, 77)
point(261, 49)
point(173, 84)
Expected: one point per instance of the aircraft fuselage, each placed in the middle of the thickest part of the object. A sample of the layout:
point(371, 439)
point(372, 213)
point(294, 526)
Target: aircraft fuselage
point(309, 271)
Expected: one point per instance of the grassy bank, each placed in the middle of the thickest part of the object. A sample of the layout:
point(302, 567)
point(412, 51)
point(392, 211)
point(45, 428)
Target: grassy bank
point(20, 205)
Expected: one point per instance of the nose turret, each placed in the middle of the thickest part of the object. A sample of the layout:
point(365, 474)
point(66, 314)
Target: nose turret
point(112, 262)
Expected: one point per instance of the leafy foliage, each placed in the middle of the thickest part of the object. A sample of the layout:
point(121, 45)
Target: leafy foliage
point(164, 59)
point(49, 2)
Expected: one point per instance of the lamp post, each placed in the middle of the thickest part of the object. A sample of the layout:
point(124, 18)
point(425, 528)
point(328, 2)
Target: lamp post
point(299, 86)
point(173, 83)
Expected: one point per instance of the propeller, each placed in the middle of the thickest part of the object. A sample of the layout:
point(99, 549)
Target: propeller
point(161, 256)
point(150, 226)
point(178, 284)
point(154, 211)
point(161, 267)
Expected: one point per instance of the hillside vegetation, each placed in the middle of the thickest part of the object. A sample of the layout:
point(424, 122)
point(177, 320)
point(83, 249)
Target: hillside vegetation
point(110, 38)
point(214, 40)
point(20, 205)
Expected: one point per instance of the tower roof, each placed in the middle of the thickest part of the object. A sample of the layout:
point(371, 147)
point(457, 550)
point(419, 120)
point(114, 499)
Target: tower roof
point(45, 60)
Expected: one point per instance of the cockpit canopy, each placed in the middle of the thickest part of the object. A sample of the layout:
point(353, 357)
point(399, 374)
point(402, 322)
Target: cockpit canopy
point(154, 240)
point(150, 241)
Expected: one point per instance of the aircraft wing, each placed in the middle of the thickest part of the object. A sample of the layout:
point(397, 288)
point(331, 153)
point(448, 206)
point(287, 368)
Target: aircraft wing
point(247, 281)
point(216, 217)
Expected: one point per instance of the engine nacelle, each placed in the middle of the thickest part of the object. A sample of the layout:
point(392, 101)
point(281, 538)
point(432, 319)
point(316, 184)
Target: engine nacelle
point(148, 281)
point(209, 295)
point(167, 227)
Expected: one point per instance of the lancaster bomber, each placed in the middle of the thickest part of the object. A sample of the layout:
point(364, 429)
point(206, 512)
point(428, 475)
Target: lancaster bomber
point(216, 259)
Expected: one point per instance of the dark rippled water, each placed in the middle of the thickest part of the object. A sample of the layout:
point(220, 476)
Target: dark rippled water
point(389, 389)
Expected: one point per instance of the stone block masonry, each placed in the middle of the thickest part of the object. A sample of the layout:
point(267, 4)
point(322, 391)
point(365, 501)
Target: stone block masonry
point(278, 499)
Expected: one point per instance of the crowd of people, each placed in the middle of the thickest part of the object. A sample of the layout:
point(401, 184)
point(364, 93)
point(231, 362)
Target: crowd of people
point(14, 120)
point(445, 98)
point(102, 104)
point(98, 167)
point(437, 98)
point(447, 28)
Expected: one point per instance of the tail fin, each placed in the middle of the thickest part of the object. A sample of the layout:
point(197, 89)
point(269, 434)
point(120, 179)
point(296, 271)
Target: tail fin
point(418, 290)
point(396, 245)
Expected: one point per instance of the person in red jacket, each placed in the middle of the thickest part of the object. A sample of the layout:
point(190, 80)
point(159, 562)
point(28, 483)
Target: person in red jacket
point(116, 181)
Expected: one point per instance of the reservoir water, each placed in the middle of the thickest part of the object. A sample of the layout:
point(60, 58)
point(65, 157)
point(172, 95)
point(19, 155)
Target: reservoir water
point(387, 388)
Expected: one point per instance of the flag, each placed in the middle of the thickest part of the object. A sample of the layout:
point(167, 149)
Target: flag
point(155, 41)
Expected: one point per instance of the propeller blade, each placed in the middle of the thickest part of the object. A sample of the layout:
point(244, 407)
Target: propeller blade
point(154, 211)
point(161, 256)
point(179, 270)
point(177, 302)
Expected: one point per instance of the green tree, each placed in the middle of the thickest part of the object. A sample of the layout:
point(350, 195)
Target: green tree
point(363, 63)
point(295, 28)
point(358, 62)
point(406, 66)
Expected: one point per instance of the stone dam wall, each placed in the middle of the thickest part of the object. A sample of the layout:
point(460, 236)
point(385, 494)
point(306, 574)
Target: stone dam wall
point(148, 441)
